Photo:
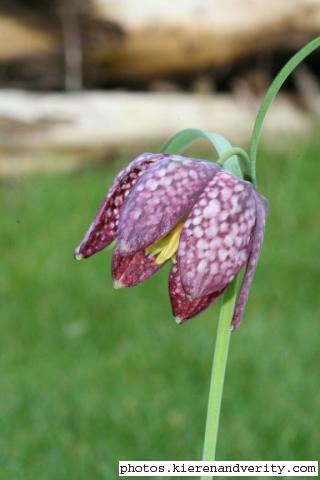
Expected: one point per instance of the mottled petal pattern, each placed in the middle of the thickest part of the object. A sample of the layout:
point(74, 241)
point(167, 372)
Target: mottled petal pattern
point(257, 240)
point(162, 196)
point(162, 207)
point(129, 270)
point(104, 228)
point(215, 243)
point(182, 307)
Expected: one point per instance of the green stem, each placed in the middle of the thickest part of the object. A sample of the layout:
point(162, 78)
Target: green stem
point(271, 94)
point(182, 140)
point(242, 154)
point(218, 372)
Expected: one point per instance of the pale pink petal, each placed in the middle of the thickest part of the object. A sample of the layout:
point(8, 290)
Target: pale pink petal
point(162, 196)
point(104, 228)
point(257, 240)
point(215, 242)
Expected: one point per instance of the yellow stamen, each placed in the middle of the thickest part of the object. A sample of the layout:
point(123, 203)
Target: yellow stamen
point(166, 248)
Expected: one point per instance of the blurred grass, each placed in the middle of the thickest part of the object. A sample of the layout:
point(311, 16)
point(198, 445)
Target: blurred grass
point(90, 376)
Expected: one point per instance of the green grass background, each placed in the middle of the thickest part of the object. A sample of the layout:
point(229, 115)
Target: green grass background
point(90, 375)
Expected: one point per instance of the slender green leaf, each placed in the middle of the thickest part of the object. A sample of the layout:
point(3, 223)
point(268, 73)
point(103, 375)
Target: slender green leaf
point(272, 92)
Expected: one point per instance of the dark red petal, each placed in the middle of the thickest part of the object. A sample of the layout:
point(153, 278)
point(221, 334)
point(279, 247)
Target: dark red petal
point(257, 240)
point(162, 196)
point(182, 307)
point(104, 228)
point(129, 270)
point(215, 242)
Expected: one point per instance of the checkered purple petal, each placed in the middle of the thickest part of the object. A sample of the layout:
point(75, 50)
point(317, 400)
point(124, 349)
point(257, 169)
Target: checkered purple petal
point(104, 228)
point(160, 199)
point(183, 307)
point(215, 242)
point(257, 240)
point(132, 269)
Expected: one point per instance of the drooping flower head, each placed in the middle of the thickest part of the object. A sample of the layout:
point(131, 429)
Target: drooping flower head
point(205, 220)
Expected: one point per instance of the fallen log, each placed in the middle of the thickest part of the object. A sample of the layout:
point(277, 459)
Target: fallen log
point(63, 131)
point(20, 39)
point(125, 41)
point(164, 37)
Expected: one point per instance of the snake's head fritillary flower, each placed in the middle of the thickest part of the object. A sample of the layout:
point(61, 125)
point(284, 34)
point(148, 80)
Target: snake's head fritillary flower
point(205, 220)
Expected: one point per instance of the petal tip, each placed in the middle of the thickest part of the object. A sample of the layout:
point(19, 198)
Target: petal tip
point(178, 320)
point(117, 284)
point(78, 255)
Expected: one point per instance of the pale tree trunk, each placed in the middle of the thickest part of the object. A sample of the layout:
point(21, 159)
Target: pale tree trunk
point(72, 45)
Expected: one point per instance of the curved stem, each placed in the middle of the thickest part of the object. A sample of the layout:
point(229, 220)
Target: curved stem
point(182, 140)
point(242, 154)
point(271, 94)
point(218, 372)
point(226, 153)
